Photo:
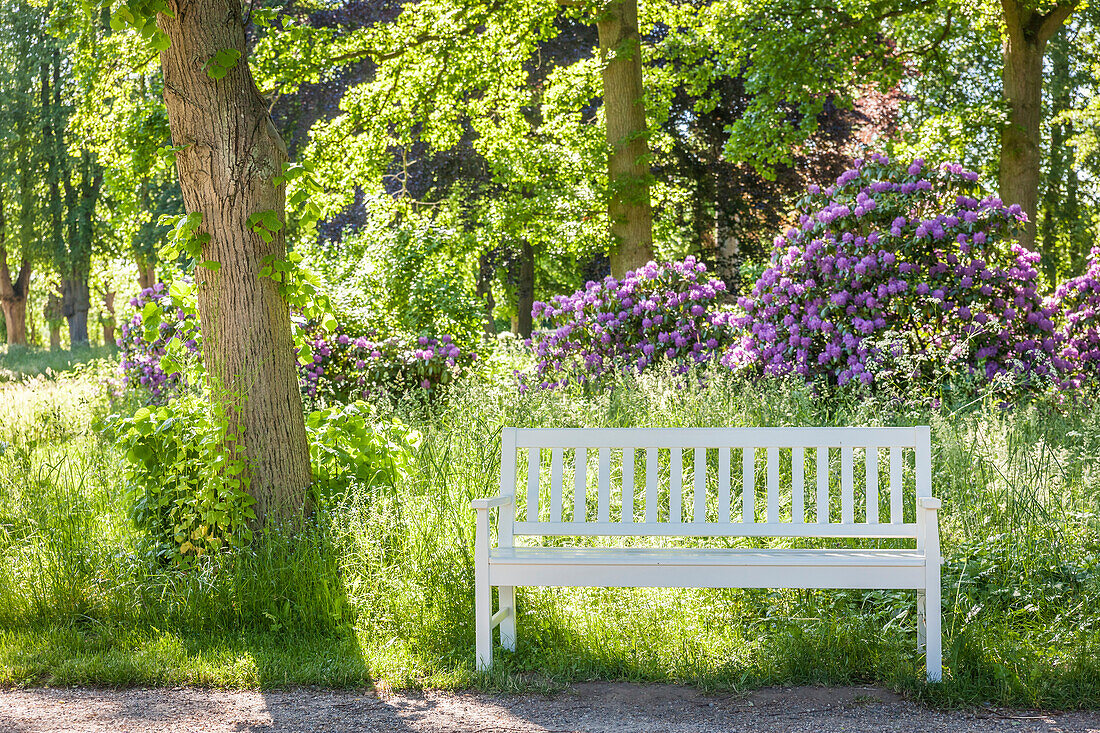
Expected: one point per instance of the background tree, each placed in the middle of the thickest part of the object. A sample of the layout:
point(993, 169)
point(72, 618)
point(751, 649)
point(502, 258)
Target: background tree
point(1029, 25)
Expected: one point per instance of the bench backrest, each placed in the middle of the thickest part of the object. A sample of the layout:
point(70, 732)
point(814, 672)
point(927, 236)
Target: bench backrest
point(708, 482)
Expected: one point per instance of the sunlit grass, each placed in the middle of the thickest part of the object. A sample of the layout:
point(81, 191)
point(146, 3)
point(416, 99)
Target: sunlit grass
point(378, 587)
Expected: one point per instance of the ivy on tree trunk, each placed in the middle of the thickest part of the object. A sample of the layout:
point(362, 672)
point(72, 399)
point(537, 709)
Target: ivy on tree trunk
point(229, 152)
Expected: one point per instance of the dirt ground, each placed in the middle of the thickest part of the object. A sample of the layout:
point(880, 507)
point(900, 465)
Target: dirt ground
point(591, 708)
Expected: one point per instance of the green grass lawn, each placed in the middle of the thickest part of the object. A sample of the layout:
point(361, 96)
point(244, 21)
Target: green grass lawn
point(378, 587)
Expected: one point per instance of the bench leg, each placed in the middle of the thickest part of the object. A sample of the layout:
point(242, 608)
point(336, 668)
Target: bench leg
point(483, 596)
point(933, 658)
point(922, 631)
point(507, 599)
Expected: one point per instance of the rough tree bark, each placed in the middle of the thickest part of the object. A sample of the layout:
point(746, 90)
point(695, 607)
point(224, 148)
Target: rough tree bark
point(13, 293)
point(1026, 34)
point(230, 153)
point(629, 209)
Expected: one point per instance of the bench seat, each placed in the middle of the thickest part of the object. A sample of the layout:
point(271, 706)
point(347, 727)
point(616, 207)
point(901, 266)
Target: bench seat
point(619, 567)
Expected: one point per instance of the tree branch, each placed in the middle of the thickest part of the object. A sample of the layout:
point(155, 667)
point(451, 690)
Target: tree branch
point(1053, 20)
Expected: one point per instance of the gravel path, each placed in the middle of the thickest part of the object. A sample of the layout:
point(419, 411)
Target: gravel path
point(592, 708)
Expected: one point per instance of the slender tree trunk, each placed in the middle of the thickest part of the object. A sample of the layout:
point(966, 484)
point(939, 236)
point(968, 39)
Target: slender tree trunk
point(54, 318)
point(147, 273)
point(108, 321)
point(525, 290)
point(1026, 34)
point(485, 292)
point(13, 293)
point(13, 301)
point(230, 153)
point(75, 303)
point(703, 215)
point(629, 209)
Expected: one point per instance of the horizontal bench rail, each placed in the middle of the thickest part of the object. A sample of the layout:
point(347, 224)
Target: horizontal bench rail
point(712, 529)
point(711, 437)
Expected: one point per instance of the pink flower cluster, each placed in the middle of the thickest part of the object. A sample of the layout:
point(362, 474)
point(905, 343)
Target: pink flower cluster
point(657, 313)
point(898, 270)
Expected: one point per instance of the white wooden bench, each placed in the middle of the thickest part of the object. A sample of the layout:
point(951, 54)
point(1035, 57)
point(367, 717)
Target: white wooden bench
point(869, 503)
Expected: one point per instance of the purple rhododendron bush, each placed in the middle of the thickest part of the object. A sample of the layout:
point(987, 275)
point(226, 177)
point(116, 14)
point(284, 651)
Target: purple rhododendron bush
point(144, 338)
point(1079, 333)
point(899, 272)
point(345, 367)
point(657, 314)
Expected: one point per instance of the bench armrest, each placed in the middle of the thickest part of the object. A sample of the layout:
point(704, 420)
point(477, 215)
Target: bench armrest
point(492, 502)
point(929, 502)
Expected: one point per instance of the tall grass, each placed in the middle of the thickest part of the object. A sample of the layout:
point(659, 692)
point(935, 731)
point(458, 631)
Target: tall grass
point(378, 584)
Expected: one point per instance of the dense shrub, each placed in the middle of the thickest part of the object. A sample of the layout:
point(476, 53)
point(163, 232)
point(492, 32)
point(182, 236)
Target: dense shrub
point(899, 272)
point(342, 367)
point(656, 314)
point(349, 451)
point(189, 497)
point(1078, 301)
point(158, 325)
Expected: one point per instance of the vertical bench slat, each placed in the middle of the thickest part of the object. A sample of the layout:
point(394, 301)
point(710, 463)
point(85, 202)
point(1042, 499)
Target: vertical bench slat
point(628, 486)
point(675, 482)
point(895, 485)
point(823, 484)
point(650, 485)
point(532, 484)
point(724, 485)
point(847, 459)
point(871, 460)
point(700, 493)
point(580, 466)
point(798, 490)
point(603, 488)
point(773, 485)
point(556, 461)
point(748, 485)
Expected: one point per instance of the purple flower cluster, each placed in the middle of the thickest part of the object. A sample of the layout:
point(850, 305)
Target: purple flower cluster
point(657, 313)
point(894, 270)
point(1078, 301)
point(140, 364)
point(346, 367)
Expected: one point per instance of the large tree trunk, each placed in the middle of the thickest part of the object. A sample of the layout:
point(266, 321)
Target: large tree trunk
point(1026, 34)
point(230, 154)
point(629, 209)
